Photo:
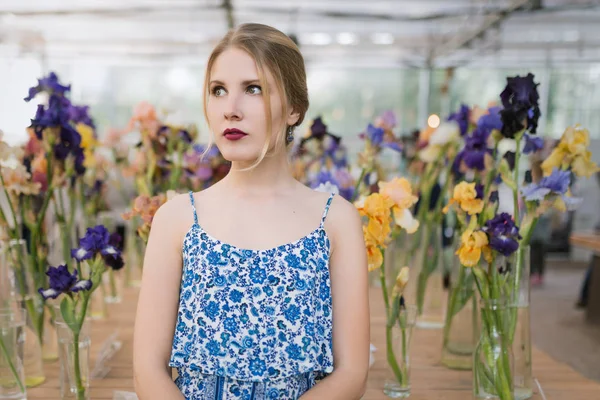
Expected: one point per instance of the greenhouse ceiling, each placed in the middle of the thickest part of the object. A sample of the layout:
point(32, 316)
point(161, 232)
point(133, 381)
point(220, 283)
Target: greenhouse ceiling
point(413, 33)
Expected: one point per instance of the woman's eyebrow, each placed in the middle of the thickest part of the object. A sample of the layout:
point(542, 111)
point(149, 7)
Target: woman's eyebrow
point(244, 83)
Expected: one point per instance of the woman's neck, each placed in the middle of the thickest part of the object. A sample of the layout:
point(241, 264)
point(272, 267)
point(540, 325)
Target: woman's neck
point(272, 176)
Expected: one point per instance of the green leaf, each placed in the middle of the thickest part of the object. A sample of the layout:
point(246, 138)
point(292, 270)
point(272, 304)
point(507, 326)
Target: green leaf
point(67, 310)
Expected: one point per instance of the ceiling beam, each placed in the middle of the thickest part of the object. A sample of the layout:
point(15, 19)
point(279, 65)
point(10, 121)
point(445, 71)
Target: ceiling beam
point(461, 40)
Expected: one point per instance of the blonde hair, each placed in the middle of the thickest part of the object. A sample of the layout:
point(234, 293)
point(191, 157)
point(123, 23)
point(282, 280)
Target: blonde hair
point(275, 51)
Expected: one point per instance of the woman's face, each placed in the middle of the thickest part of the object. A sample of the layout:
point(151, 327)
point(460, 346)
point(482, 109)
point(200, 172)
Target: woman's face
point(236, 107)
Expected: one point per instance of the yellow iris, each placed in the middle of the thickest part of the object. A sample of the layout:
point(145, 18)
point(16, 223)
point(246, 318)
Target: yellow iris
point(572, 151)
point(399, 190)
point(473, 245)
point(465, 196)
point(374, 254)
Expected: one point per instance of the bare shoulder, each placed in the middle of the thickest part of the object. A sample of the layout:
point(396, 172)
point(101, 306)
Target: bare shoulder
point(343, 223)
point(174, 218)
point(343, 214)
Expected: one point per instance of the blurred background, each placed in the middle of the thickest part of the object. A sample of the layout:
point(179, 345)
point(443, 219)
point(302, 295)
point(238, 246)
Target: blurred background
point(417, 58)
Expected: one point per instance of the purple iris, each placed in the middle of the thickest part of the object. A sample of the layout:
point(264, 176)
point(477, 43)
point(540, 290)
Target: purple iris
point(532, 144)
point(49, 84)
point(556, 183)
point(520, 90)
point(323, 176)
point(503, 233)
point(491, 121)
point(80, 114)
point(56, 114)
point(94, 241)
point(520, 100)
point(62, 281)
point(318, 129)
point(476, 147)
point(98, 240)
point(375, 135)
point(462, 118)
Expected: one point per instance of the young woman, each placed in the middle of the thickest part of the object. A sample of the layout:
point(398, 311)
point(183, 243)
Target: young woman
point(255, 288)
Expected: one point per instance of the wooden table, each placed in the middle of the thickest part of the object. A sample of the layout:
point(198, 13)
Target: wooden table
point(591, 241)
point(430, 381)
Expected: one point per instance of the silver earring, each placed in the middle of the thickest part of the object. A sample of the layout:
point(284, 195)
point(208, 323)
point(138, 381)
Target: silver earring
point(290, 135)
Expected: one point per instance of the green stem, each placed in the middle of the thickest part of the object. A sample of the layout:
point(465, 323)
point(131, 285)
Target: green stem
point(76, 363)
point(382, 279)
point(357, 186)
point(11, 365)
point(458, 285)
point(516, 180)
point(424, 273)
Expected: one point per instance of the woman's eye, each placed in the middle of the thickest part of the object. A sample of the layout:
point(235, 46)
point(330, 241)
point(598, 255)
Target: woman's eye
point(218, 91)
point(254, 89)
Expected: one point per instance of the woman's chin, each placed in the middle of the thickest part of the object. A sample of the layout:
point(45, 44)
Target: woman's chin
point(240, 156)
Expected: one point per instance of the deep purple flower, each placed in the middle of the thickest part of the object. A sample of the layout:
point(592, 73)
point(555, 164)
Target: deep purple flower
point(520, 90)
point(557, 183)
point(80, 114)
point(115, 263)
point(94, 241)
point(462, 118)
point(476, 147)
point(503, 234)
point(116, 241)
point(479, 190)
point(318, 129)
point(54, 115)
point(62, 281)
point(520, 100)
point(491, 121)
point(49, 84)
point(532, 144)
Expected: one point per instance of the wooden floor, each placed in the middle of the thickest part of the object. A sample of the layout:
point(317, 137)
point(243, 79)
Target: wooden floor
point(430, 380)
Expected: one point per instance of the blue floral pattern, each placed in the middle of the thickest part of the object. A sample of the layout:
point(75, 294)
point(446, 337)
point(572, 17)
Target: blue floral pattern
point(253, 324)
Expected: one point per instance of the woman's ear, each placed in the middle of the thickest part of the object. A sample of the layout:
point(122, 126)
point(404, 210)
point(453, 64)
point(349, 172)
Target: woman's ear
point(293, 118)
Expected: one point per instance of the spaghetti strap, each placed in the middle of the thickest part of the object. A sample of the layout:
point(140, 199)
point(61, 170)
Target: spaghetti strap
point(193, 208)
point(326, 209)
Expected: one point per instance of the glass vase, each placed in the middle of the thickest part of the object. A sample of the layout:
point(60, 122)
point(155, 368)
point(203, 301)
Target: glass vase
point(398, 339)
point(12, 338)
point(461, 326)
point(50, 341)
point(519, 267)
point(493, 357)
point(134, 250)
point(27, 298)
point(74, 356)
point(426, 286)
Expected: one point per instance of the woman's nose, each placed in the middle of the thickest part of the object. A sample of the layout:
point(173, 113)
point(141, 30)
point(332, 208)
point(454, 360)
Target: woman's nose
point(233, 110)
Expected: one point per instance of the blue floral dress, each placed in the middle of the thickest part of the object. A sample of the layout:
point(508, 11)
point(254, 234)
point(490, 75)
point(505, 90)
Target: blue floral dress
point(253, 324)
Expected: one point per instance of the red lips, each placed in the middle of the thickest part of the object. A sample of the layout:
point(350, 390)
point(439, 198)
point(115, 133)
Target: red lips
point(234, 134)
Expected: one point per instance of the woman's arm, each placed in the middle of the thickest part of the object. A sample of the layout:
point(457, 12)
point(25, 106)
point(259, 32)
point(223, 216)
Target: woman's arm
point(157, 307)
point(350, 295)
